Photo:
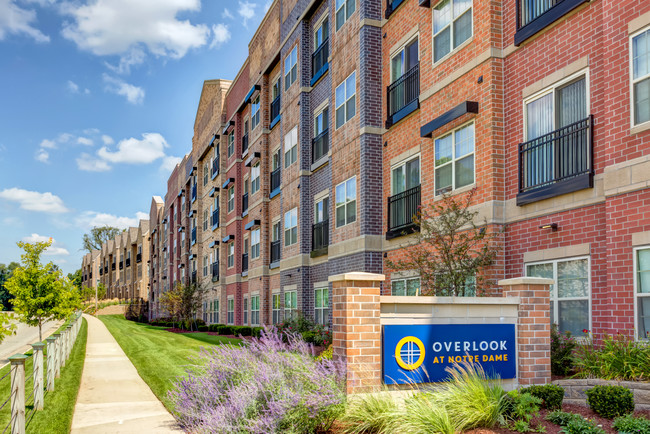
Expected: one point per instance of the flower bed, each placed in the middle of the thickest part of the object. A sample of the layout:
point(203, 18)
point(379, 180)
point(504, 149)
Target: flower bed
point(574, 390)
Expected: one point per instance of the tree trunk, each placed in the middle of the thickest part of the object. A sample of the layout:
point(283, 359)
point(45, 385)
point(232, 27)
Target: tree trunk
point(40, 335)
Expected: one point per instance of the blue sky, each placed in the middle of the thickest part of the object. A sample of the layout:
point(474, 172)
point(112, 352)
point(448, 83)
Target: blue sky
point(97, 104)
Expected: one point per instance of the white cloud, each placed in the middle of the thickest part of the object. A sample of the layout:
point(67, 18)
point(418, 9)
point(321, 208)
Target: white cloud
point(54, 250)
point(84, 141)
point(246, 11)
point(43, 156)
point(73, 87)
point(49, 144)
point(135, 56)
point(115, 27)
point(34, 201)
point(168, 163)
point(64, 137)
point(87, 163)
point(108, 140)
point(14, 20)
point(90, 219)
point(221, 35)
point(133, 94)
point(91, 131)
point(134, 151)
point(226, 14)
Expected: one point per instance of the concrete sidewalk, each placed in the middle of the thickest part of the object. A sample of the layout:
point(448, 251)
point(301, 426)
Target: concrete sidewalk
point(112, 396)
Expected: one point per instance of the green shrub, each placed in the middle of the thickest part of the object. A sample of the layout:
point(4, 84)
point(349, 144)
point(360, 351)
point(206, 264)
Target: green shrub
point(245, 331)
point(518, 409)
point(551, 395)
point(617, 358)
point(225, 330)
point(610, 401)
point(257, 331)
point(425, 413)
point(561, 418)
point(562, 346)
point(582, 426)
point(327, 354)
point(203, 328)
point(310, 331)
point(629, 424)
point(372, 413)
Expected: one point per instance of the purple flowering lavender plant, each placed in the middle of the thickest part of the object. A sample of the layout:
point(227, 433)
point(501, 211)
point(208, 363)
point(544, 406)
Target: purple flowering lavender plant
point(266, 386)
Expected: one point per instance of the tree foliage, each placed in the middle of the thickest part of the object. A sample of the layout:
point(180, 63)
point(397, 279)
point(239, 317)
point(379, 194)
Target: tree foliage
point(98, 236)
point(7, 327)
point(75, 279)
point(183, 302)
point(452, 251)
point(5, 273)
point(41, 292)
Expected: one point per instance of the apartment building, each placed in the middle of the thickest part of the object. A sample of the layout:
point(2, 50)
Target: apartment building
point(544, 109)
point(90, 265)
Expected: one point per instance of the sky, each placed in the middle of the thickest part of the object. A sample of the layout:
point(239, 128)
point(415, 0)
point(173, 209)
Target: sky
point(97, 105)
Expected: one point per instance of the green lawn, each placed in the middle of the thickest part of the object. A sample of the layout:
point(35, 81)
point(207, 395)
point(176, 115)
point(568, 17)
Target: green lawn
point(158, 355)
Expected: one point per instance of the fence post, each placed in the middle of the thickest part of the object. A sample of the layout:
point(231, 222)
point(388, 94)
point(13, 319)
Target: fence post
point(57, 354)
point(51, 362)
point(38, 375)
point(70, 340)
point(18, 393)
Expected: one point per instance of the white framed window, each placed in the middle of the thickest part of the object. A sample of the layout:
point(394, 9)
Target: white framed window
point(275, 90)
point(206, 173)
point(642, 292)
point(245, 311)
point(321, 306)
point(571, 296)
point(321, 121)
point(255, 244)
point(404, 59)
point(231, 198)
point(255, 112)
point(206, 217)
point(255, 310)
point(405, 175)
point(291, 147)
point(344, 9)
point(291, 68)
point(290, 303)
point(231, 144)
point(291, 227)
point(407, 286)
point(321, 33)
point(276, 160)
point(452, 25)
point(255, 178)
point(346, 202)
point(231, 255)
point(205, 265)
point(454, 159)
point(231, 311)
point(640, 76)
point(346, 101)
point(275, 307)
point(321, 210)
point(214, 311)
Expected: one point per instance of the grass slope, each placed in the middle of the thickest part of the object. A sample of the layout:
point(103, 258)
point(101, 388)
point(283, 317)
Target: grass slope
point(158, 355)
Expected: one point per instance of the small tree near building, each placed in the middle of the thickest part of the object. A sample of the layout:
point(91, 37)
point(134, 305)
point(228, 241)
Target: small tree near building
point(182, 303)
point(452, 252)
point(41, 292)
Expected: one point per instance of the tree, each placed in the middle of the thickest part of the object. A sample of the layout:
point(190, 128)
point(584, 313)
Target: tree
point(98, 236)
point(41, 292)
point(75, 279)
point(183, 302)
point(452, 252)
point(101, 291)
point(5, 273)
point(7, 327)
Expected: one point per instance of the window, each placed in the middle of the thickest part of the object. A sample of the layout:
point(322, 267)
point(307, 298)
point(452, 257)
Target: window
point(290, 303)
point(255, 310)
point(406, 175)
point(321, 139)
point(291, 147)
point(346, 202)
point(231, 144)
point(452, 25)
point(231, 199)
point(255, 112)
point(346, 100)
point(206, 173)
point(276, 308)
point(454, 165)
point(404, 60)
point(321, 122)
point(206, 216)
point(231, 255)
point(214, 312)
point(291, 227)
point(321, 210)
point(231, 311)
point(205, 265)
point(642, 291)
point(275, 91)
point(321, 306)
point(255, 244)
point(321, 33)
point(291, 68)
point(410, 286)
point(570, 298)
point(255, 178)
point(344, 9)
point(245, 311)
point(640, 77)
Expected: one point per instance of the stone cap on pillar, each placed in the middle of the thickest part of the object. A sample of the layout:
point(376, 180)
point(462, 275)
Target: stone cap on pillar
point(18, 359)
point(357, 276)
point(56, 335)
point(50, 339)
point(526, 281)
point(39, 345)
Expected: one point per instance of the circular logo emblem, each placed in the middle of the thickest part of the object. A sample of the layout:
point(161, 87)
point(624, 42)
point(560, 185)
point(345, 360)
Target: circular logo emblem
point(409, 353)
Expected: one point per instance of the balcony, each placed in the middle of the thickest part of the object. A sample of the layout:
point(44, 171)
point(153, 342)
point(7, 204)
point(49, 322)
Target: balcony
point(215, 219)
point(244, 204)
point(391, 6)
point(244, 264)
point(101, 271)
point(275, 111)
point(121, 265)
point(556, 163)
point(193, 236)
point(275, 252)
point(215, 271)
point(275, 182)
point(193, 278)
point(320, 146)
point(128, 262)
point(113, 266)
point(215, 168)
point(320, 238)
point(403, 96)
point(244, 144)
point(319, 64)
point(402, 207)
point(533, 16)
point(138, 258)
point(106, 269)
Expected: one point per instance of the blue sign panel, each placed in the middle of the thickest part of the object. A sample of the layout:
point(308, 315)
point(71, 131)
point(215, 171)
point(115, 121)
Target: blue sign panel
point(421, 353)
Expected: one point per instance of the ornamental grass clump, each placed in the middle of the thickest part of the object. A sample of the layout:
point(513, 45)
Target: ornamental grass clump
point(267, 386)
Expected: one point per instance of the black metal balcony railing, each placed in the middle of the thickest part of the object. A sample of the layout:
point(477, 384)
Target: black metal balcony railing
point(556, 163)
point(320, 146)
point(106, 269)
point(215, 218)
point(529, 10)
point(128, 262)
point(275, 179)
point(113, 266)
point(391, 5)
point(121, 265)
point(215, 271)
point(275, 251)
point(244, 143)
point(138, 258)
point(320, 56)
point(193, 278)
point(215, 167)
point(275, 108)
point(320, 235)
point(193, 192)
point(535, 15)
point(101, 271)
point(402, 207)
point(244, 203)
point(90, 276)
point(404, 91)
point(244, 262)
point(193, 235)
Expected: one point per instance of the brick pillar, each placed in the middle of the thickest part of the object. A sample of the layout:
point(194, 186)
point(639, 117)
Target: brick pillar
point(533, 328)
point(356, 335)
